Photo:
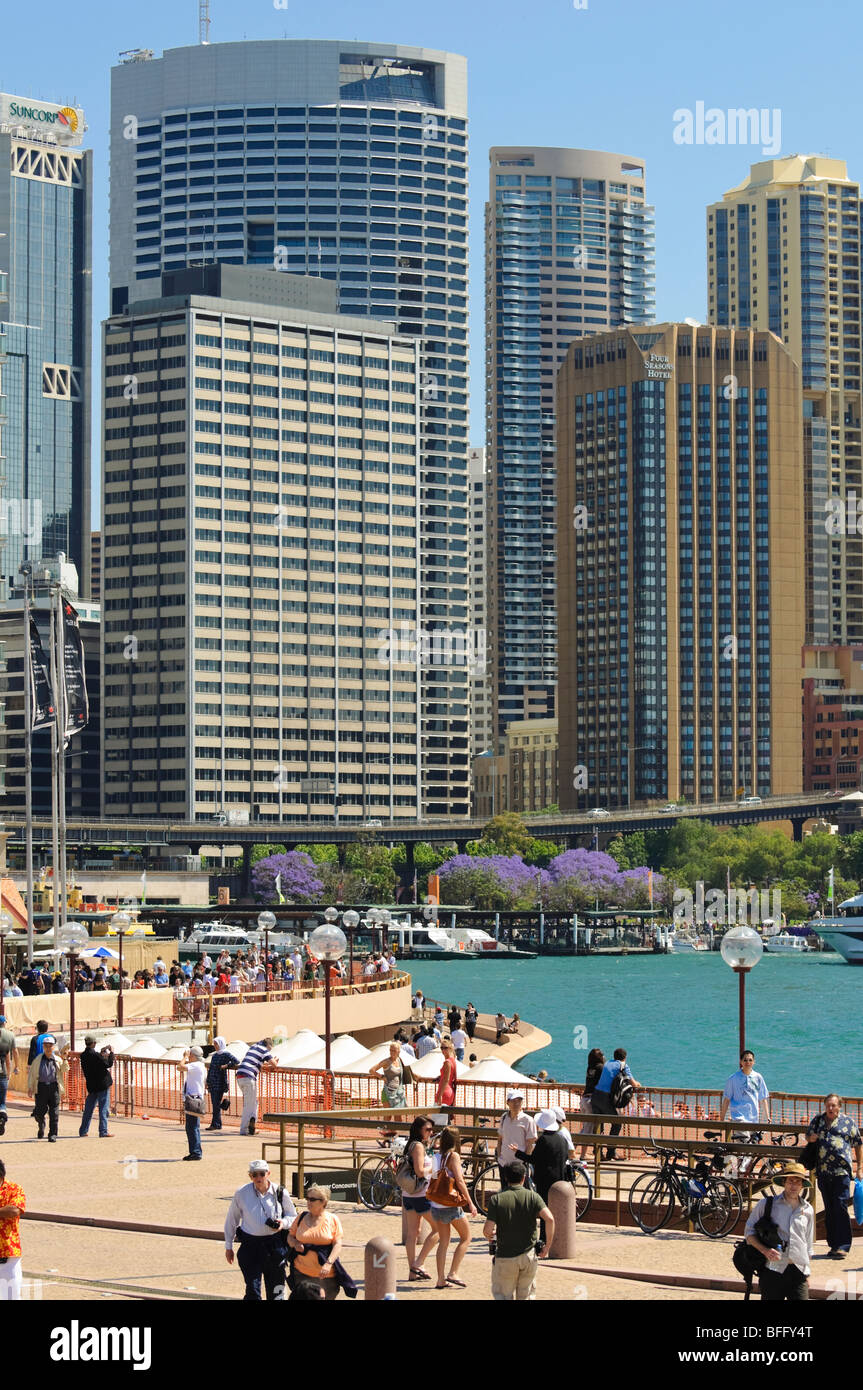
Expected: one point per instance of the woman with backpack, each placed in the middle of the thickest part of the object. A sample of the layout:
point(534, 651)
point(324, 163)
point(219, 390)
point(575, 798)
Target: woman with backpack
point(613, 1092)
point(413, 1176)
point(595, 1064)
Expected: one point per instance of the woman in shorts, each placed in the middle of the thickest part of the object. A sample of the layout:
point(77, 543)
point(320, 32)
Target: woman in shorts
point(416, 1206)
point(446, 1219)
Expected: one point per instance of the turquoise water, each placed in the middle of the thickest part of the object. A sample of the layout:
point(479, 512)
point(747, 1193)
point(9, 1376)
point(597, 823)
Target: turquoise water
point(676, 1015)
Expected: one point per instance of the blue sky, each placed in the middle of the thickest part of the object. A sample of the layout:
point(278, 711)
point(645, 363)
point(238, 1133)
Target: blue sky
point(608, 77)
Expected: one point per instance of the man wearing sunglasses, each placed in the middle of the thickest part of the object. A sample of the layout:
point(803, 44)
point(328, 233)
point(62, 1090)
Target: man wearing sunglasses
point(258, 1218)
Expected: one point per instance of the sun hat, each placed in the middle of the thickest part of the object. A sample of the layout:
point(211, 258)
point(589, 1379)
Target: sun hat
point(794, 1170)
point(515, 1095)
point(546, 1121)
point(559, 1112)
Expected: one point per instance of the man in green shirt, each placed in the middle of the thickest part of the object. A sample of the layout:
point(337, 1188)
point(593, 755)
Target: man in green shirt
point(512, 1218)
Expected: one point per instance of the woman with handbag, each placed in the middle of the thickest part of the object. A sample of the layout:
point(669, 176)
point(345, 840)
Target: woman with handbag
point(396, 1076)
point(194, 1074)
point(449, 1196)
point(412, 1177)
point(445, 1089)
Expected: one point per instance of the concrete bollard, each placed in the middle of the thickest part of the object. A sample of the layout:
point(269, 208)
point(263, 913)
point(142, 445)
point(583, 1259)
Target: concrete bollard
point(380, 1269)
point(561, 1204)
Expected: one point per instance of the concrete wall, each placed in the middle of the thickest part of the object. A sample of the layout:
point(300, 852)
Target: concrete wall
point(355, 1013)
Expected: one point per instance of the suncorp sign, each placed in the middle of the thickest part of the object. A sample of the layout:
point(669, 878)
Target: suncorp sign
point(65, 124)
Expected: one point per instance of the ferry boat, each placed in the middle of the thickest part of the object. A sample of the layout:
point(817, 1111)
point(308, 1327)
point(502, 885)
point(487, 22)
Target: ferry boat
point(844, 931)
point(427, 941)
point(213, 938)
point(784, 944)
point(685, 941)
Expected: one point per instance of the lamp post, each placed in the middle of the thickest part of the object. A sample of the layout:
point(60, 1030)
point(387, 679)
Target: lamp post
point(72, 937)
point(741, 949)
point(5, 924)
point(328, 943)
point(266, 922)
point(120, 923)
point(351, 920)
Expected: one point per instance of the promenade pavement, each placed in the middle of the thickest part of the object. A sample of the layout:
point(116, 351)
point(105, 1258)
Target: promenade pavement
point(138, 1176)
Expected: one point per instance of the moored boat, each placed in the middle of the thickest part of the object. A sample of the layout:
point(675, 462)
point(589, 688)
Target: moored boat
point(843, 931)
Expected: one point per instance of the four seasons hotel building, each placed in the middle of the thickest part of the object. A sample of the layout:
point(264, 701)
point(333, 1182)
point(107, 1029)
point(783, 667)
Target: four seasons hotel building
point(260, 543)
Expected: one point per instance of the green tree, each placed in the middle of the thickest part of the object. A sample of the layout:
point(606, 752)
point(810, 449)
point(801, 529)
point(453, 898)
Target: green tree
point(321, 854)
point(372, 866)
point(264, 851)
point(507, 834)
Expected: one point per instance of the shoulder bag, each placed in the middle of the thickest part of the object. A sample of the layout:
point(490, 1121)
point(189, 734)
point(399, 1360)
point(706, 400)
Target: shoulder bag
point(405, 1176)
point(194, 1105)
point(442, 1190)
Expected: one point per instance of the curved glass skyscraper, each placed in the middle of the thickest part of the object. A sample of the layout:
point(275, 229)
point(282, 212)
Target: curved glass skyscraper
point(569, 251)
point(346, 161)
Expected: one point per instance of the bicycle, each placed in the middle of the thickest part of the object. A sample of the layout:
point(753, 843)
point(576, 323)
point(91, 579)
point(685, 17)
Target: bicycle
point(376, 1178)
point(487, 1182)
point(759, 1170)
point(713, 1203)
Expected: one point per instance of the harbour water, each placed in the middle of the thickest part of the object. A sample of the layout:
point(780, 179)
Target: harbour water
point(676, 1015)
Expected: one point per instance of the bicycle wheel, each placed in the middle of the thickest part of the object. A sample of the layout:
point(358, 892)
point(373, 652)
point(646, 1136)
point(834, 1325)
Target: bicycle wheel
point(762, 1175)
point(485, 1185)
point(375, 1183)
point(655, 1205)
point(583, 1188)
point(717, 1212)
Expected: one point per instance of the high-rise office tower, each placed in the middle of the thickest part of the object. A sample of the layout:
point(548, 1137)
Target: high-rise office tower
point(260, 572)
point(784, 254)
point(680, 592)
point(569, 250)
point(45, 244)
point(480, 683)
point(346, 161)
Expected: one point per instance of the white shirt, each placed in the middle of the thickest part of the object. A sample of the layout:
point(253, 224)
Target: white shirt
point(297, 962)
point(251, 1208)
point(206, 962)
point(384, 966)
point(195, 1079)
point(459, 1038)
point(567, 1136)
point(796, 1229)
point(518, 1131)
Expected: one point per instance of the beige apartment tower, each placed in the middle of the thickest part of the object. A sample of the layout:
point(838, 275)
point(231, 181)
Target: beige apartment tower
point(783, 255)
point(680, 577)
point(260, 555)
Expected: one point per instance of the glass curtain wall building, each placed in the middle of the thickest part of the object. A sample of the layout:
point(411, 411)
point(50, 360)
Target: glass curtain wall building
point(569, 250)
point(784, 254)
point(681, 599)
point(346, 161)
point(45, 244)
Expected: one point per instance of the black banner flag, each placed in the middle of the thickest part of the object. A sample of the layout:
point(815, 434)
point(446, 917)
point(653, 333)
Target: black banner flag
point(77, 704)
point(41, 699)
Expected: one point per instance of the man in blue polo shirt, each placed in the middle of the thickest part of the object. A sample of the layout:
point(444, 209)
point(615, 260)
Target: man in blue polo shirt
point(745, 1093)
point(601, 1100)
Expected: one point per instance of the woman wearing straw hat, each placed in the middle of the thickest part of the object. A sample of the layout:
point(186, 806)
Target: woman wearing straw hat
point(786, 1274)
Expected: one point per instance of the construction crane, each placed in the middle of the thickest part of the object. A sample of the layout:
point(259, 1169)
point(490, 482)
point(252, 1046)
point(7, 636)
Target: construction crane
point(203, 21)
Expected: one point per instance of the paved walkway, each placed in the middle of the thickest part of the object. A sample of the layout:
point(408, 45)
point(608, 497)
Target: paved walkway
point(138, 1176)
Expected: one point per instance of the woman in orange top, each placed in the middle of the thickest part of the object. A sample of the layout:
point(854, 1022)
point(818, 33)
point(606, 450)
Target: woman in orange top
point(445, 1089)
point(317, 1227)
point(12, 1203)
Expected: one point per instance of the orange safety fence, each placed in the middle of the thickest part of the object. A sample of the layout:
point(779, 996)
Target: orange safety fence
point(144, 1087)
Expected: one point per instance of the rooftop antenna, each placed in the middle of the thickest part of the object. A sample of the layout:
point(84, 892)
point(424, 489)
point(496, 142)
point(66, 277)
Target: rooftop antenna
point(203, 21)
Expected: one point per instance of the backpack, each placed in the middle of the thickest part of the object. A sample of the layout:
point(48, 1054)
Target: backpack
point(746, 1259)
point(622, 1090)
point(405, 1176)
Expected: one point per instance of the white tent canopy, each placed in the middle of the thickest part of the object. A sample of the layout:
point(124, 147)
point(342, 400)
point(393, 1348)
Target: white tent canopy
point(302, 1044)
point(118, 1041)
point(363, 1065)
point(146, 1048)
point(493, 1069)
point(173, 1054)
point(343, 1051)
point(428, 1068)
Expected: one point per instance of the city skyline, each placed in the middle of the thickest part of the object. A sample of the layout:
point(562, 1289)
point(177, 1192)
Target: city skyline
point(535, 109)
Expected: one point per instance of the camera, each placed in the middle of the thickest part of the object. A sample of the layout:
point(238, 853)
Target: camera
point(492, 1247)
point(539, 1246)
point(273, 1224)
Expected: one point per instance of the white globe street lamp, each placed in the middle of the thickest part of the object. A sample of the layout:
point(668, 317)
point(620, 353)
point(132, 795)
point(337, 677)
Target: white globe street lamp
point(72, 937)
point(741, 949)
point(328, 943)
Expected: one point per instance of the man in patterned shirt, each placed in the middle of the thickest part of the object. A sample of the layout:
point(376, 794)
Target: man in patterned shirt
point(835, 1135)
point(12, 1203)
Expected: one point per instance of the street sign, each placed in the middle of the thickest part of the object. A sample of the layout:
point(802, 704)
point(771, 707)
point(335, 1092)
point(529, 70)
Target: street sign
point(342, 1183)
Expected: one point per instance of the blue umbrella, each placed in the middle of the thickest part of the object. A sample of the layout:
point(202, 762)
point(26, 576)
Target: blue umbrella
point(104, 951)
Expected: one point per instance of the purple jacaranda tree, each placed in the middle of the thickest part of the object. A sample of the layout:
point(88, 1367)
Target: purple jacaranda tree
point(299, 878)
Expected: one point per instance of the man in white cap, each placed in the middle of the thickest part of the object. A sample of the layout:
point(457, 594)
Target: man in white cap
point(45, 1081)
point(516, 1131)
point(549, 1157)
point(259, 1216)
